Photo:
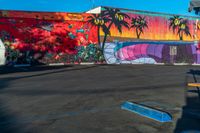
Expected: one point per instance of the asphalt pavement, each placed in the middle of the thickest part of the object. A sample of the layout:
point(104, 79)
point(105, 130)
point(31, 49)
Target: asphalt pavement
point(87, 99)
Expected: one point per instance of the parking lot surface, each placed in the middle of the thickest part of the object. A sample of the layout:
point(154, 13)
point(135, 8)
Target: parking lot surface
point(87, 99)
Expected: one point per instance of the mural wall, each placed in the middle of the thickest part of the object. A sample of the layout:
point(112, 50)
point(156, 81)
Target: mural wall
point(115, 36)
point(48, 38)
point(144, 37)
point(151, 52)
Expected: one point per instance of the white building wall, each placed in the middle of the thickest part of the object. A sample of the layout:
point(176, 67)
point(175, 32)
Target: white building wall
point(95, 10)
point(2, 53)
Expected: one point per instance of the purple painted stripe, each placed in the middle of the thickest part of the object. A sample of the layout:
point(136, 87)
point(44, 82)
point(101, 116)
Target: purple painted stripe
point(198, 58)
point(194, 51)
point(151, 50)
point(158, 51)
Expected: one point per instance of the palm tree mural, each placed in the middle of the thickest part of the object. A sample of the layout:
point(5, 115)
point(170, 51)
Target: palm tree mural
point(139, 24)
point(174, 22)
point(183, 29)
point(198, 25)
point(99, 21)
point(117, 18)
point(180, 26)
point(105, 20)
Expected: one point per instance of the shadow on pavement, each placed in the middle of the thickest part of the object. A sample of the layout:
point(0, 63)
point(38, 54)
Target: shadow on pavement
point(8, 122)
point(7, 69)
point(4, 82)
point(196, 79)
point(89, 91)
point(190, 119)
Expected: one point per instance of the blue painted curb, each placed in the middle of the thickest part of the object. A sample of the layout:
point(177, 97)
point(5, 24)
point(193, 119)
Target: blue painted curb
point(191, 131)
point(147, 112)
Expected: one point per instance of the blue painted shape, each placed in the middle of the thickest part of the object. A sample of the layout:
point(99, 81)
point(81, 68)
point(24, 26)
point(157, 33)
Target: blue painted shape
point(71, 35)
point(70, 26)
point(80, 30)
point(147, 112)
point(191, 131)
point(125, 44)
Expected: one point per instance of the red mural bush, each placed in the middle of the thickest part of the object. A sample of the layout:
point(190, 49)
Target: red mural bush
point(55, 41)
point(41, 37)
point(21, 46)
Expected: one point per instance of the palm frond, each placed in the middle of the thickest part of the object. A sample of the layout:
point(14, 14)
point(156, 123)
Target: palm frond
point(171, 19)
point(105, 29)
point(89, 17)
point(141, 30)
point(140, 17)
point(132, 26)
point(146, 26)
point(187, 31)
point(124, 15)
point(125, 24)
point(119, 27)
point(174, 28)
point(90, 22)
point(106, 19)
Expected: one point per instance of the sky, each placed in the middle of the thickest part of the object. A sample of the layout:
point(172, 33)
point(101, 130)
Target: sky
point(164, 6)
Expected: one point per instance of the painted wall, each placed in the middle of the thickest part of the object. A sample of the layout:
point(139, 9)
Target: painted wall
point(144, 37)
point(37, 37)
point(157, 25)
point(158, 29)
point(151, 52)
point(123, 36)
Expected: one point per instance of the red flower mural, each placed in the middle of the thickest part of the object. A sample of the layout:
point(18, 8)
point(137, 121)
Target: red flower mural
point(37, 38)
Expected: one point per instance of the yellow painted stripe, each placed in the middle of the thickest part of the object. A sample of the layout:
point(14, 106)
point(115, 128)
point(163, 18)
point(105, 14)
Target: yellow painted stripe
point(194, 84)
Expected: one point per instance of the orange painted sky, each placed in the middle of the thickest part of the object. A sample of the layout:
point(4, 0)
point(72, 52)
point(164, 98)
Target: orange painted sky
point(158, 29)
point(158, 26)
point(45, 15)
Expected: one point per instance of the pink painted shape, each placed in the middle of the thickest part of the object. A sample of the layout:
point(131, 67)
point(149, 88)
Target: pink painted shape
point(144, 49)
point(125, 52)
point(131, 55)
point(132, 52)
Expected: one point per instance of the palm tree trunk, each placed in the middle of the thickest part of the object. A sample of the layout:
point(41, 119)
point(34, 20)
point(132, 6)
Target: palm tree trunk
point(138, 35)
point(180, 36)
point(105, 36)
point(98, 33)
